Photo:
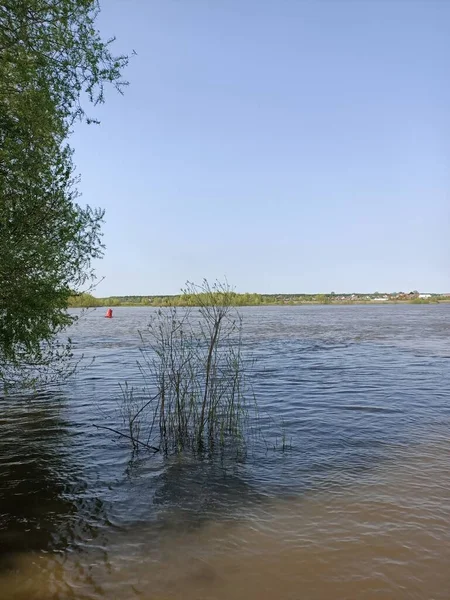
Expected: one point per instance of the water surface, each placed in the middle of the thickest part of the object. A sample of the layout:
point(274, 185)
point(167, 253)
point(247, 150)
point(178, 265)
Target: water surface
point(357, 507)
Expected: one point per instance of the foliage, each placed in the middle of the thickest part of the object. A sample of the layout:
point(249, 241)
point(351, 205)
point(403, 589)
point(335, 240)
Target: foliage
point(186, 300)
point(83, 300)
point(198, 397)
point(51, 50)
point(323, 299)
point(51, 58)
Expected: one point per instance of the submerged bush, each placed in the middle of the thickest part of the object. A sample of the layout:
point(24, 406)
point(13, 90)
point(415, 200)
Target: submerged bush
point(198, 397)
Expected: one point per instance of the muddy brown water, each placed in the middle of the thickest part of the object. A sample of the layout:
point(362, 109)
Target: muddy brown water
point(358, 507)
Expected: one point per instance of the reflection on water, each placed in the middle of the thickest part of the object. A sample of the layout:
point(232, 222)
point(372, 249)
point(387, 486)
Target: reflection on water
point(32, 447)
point(41, 492)
point(358, 508)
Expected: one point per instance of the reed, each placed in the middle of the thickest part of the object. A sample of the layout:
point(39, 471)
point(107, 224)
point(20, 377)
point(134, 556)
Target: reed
point(198, 395)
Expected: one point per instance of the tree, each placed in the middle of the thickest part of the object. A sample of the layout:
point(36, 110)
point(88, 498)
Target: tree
point(52, 59)
point(84, 300)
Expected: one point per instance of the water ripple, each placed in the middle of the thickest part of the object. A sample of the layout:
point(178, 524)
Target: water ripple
point(356, 506)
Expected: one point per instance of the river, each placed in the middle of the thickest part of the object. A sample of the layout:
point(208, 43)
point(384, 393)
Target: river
point(356, 507)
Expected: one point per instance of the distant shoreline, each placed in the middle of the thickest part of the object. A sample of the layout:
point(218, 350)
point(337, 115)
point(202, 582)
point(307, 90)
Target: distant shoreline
point(89, 301)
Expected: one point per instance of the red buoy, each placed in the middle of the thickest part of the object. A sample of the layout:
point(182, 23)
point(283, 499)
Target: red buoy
point(108, 313)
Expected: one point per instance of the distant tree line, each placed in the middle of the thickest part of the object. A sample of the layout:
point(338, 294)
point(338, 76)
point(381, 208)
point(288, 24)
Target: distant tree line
point(191, 299)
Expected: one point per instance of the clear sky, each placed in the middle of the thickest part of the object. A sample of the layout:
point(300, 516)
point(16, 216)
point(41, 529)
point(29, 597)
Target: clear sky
point(289, 145)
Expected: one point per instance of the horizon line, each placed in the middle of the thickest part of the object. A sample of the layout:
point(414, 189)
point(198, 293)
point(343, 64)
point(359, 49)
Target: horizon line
point(414, 292)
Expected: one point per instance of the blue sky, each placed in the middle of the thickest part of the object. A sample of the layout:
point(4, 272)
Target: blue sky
point(288, 145)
